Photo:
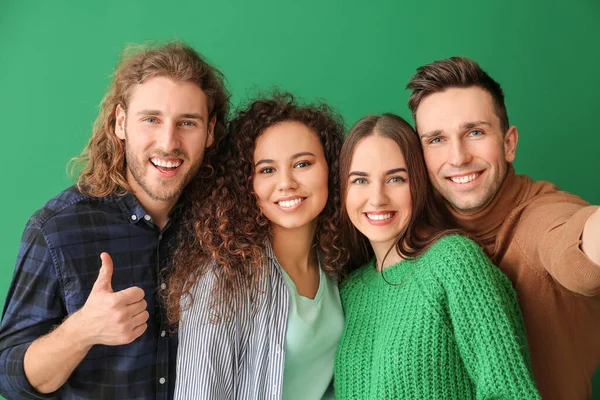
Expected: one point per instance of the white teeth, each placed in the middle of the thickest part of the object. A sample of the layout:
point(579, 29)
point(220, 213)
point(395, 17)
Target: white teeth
point(379, 217)
point(464, 179)
point(166, 164)
point(290, 203)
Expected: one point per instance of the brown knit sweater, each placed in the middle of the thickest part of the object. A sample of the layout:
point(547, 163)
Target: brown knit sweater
point(532, 231)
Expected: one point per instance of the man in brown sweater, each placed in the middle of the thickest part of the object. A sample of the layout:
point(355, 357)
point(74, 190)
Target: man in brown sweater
point(545, 240)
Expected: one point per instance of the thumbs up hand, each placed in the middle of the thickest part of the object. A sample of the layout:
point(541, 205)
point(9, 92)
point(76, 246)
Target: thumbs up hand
point(108, 317)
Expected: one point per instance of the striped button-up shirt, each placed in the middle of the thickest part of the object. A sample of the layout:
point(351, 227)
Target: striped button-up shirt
point(239, 358)
point(57, 266)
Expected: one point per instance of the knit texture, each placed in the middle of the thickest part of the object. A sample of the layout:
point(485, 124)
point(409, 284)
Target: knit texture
point(452, 329)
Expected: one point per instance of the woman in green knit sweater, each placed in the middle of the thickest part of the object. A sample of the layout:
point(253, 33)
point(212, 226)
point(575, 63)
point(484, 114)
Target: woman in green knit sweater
point(427, 314)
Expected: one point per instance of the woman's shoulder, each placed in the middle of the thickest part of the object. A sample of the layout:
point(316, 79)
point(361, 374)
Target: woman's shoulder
point(454, 252)
point(358, 275)
point(455, 245)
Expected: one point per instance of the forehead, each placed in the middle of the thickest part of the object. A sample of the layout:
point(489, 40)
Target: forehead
point(169, 96)
point(377, 152)
point(284, 139)
point(448, 110)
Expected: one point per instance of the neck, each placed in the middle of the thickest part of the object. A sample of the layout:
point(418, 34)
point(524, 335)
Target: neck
point(384, 257)
point(294, 247)
point(158, 210)
point(484, 224)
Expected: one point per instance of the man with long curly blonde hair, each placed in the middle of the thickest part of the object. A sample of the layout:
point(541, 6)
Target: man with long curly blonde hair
point(77, 328)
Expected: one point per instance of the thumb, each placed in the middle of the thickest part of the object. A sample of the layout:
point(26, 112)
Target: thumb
point(103, 282)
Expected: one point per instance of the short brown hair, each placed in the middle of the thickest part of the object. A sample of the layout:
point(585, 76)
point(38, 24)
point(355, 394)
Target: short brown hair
point(102, 161)
point(427, 222)
point(460, 72)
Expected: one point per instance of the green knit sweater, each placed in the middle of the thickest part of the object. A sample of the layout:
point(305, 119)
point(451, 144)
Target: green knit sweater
point(452, 329)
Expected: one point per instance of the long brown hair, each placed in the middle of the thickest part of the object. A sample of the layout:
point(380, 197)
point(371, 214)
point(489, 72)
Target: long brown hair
point(228, 229)
point(427, 223)
point(101, 166)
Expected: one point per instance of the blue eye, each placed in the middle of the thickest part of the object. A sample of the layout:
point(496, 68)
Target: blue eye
point(150, 119)
point(435, 140)
point(188, 123)
point(476, 133)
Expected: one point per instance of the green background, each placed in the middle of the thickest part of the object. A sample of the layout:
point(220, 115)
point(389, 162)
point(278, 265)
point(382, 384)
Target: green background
point(56, 59)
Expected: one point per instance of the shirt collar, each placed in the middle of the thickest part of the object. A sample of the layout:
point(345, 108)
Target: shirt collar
point(134, 212)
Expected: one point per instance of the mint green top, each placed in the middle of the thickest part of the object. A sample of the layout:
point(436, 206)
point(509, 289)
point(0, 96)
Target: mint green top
point(452, 329)
point(314, 329)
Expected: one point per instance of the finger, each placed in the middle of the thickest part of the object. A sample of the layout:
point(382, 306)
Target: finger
point(140, 319)
point(133, 334)
point(139, 330)
point(136, 308)
point(131, 295)
point(103, 282)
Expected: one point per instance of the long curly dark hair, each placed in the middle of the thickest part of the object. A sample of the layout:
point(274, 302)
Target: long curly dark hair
point(229, 230)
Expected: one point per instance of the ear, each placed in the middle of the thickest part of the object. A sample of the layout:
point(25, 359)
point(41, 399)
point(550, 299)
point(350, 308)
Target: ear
point(510, 143)
point(211, 131)
point(120, 122)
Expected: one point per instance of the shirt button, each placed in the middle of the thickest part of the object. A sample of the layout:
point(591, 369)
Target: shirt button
point(134, 217)
point(162, 381)
point(147, 217)
point(163, 286)
point(163, 334)
point(274, 389)
point(277, 349)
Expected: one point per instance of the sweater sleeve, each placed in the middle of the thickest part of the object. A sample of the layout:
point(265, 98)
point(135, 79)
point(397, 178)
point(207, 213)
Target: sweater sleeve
point(552, 237)
point(486, 320)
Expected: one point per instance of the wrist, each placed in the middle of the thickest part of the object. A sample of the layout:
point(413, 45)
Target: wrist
point(75, 331)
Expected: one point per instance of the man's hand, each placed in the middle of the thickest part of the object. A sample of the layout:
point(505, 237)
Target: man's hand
point(591, 237)
point(108, 317)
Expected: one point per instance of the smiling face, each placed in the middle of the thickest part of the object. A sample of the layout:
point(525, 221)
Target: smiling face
point(166, 129)
point(465, 150)
point(378, 199)
point(290, 175)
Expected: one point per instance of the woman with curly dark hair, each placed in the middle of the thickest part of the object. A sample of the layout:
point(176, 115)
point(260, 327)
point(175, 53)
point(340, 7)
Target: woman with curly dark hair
point(254, 283)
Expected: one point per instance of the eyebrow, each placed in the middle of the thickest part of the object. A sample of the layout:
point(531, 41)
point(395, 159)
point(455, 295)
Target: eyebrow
point(295, 156)
point(159, 113)
point(475, 124)
point(389, 172)
point(464, 126)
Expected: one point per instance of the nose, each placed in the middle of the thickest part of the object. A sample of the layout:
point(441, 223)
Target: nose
point(168, 138)
point(286, 180)
point(378, 196)
point(459, 154)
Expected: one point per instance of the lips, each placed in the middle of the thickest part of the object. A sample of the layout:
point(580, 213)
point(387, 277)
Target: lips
point(290, 203)
point(166, 167)
point(463, 179)
point(380, 217)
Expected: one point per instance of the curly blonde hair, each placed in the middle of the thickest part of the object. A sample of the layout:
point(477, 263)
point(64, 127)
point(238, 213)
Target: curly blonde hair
point(100, 168)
